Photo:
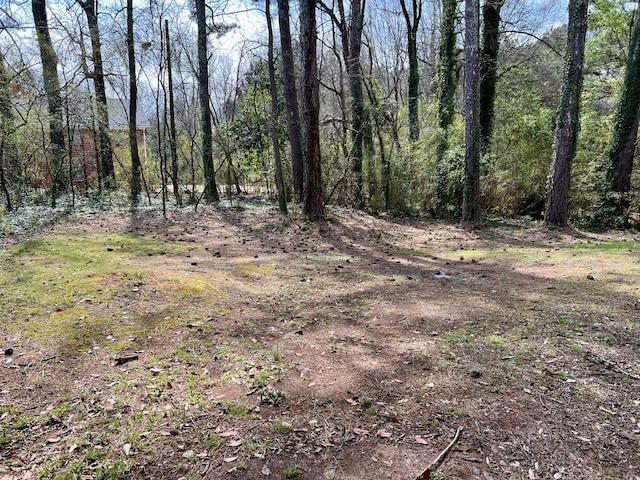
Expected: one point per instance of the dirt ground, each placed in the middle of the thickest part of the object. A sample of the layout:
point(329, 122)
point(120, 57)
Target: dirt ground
point(235, 343)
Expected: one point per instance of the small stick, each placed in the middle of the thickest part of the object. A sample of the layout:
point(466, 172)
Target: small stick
point(123, 360)
point(426, 475)
point(611, 364)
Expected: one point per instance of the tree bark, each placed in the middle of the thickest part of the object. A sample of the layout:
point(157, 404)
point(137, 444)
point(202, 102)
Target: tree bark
point(313, 205)
point(413, 23)
point(275, 140)
point(136, 169)
point(291, 99)
point(210, 187)
point(489, 69)
point(447, 65)
point(172, 122)
point(8, 153)
point(54, 99)
point(471, 193)
point(625, 132)
point(356, 24)
point(568, 117)
point(107, 173)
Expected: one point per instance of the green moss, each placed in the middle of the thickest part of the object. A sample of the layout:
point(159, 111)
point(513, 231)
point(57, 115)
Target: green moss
point(52, 288)
point(253, 270)
point(496, 340)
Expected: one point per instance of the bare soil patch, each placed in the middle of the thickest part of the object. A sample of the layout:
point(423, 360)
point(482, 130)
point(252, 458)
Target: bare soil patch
point(270, 347)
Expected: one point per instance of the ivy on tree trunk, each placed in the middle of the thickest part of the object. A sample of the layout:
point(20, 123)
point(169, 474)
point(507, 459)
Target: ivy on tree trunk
point(136, 170)
point(413, 22)
point(447, 82)
point(625, 132)
point(568, 117)
point(489, 68)
point(54, 99)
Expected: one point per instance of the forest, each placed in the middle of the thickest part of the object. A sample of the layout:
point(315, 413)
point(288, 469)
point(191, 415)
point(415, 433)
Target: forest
point(442, 109)
point(322, 240)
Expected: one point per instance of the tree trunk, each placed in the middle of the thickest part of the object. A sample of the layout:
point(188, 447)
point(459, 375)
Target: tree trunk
point(133, 110)
point(291, 98)
point(413, 23)
point(54, 100)
point(313, 205)
point(107, 173)
point(489, 69)
point(210, 187)
point(471, 193)
point(275, 137)
point(356, 23)
point(625, 132)
point(8, 153)
point(568, 117)
point(447, 65)
point(172, 122)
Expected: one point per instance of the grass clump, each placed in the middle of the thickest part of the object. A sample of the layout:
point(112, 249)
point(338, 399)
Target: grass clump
point(293, 472)
point(282, 428)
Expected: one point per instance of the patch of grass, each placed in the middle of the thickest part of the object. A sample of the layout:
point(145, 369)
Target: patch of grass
point(252, 270)
point(241, 464)
point(610, 246)
point(116, 471)
point(185, 354)
point(4, 441)
point(259, 447)
point(237, 409)
point(275, 353)
point(94, 455)
point(22, 422)
point(455, 337)
point(564, 375)
point(272, 397)
point(293, 471)
point(496, 340)
point(214, 442)
point(282, 428)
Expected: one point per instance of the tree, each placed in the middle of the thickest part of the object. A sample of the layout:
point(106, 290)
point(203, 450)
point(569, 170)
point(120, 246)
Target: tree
point(172, 122)
point(413, 23)
point(273, 87)
point(356, 23)
point(8, 152)
point(568, 117)
point(471, 192)
point(351, 38)
point(210, 187)
point(136, 170)
point(105, 152)
point(54, 99)
point(291, 98)
point(625, 134)
point(313, 205)
point(489, 68)
point(447, 81)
